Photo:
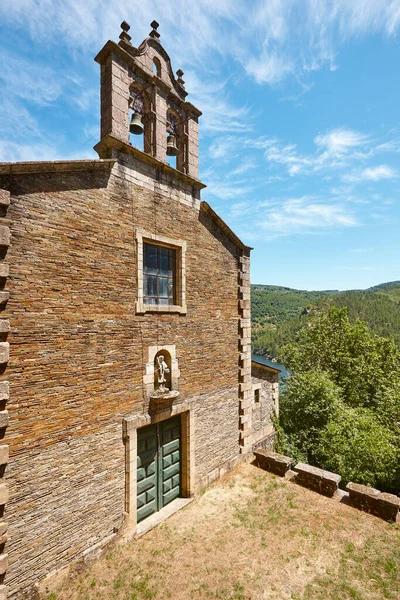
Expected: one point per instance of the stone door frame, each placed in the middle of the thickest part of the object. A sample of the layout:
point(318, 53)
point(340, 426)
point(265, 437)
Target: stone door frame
point(130, 425)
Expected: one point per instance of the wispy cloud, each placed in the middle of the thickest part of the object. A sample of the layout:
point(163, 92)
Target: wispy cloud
point(220, 115)
point(337, 142)
point(271, 40)
point(371, 174)
point(12, 151)
point(305, 214)
point(336, 149)
point(31, 82)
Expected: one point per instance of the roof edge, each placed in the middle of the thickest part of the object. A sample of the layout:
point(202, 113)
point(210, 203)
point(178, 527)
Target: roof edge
point(266, 367)
point(205, 207)
point(56, 166)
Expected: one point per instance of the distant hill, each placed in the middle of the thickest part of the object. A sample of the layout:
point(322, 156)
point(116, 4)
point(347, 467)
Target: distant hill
point(278, 312)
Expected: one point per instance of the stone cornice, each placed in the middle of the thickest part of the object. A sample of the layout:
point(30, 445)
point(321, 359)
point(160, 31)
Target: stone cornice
point(108, 143)
point(57, 166)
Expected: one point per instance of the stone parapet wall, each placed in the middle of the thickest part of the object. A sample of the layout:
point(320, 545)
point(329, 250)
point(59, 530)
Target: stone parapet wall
point(318, 480)
point(273, 462)
point(380, 504)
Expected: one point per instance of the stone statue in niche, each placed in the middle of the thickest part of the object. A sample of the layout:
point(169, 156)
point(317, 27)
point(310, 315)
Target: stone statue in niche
point(162, 369)
point(163, 382)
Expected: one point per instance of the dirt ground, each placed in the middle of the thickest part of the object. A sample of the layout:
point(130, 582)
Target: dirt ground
point(251, 536)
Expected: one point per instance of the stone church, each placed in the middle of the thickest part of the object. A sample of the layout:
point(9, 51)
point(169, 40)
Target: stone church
point(126, 380)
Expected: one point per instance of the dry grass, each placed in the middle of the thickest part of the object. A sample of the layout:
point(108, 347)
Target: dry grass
point(251, 536)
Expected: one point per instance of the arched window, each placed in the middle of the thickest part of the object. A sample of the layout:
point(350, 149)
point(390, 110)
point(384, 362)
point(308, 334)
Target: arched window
point(156, 67)
point(138, 108)
point(172, 138)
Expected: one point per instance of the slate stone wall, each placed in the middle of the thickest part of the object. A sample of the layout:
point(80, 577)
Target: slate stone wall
point(79, 350)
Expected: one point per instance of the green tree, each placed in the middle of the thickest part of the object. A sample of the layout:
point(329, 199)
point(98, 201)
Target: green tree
point(341, 408)
point(308, 403)
point(359, 362)
point(356, 445)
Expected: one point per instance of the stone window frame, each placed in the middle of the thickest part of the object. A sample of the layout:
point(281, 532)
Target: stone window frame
point(180, 284)
point(256, 387)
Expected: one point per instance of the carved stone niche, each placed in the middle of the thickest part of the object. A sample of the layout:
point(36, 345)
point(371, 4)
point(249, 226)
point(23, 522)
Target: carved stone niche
point(162, 373)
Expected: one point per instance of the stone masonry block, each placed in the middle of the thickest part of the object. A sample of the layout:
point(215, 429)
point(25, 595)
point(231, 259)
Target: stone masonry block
point(4, 197)
point(4, 454)
point(373, 501)
point(3, 563)
point(4, 493)
point(4, 352)
point(4, 296)
point(318, 480)
point(4, 326)
point(5, 236)
point(4, 269)
point(4, 390)
point(243, 304)
point(273, 462)
point(3, 592)
point(4, 419)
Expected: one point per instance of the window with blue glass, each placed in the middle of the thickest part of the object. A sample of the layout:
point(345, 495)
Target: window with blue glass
point(159, 274)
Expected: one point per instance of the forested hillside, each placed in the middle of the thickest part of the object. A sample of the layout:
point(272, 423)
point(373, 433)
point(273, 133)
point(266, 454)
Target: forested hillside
point(339, 410)
point(279, 312)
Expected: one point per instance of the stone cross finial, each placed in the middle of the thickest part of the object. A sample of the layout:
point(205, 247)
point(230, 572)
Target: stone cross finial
point(124, 35)
point(154, 33)
point(180, 73)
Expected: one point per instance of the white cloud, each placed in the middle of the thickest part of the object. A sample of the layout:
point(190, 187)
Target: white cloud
point(29, 81)
point(377, 173)
point(371, 174)
point(243, 167)
point(13, 152)
point(219, 114)
point(337, 149)
point(340, 141)
point(223, 147)
point(16, 118)
point(306, 214)
point(268, 68)
point(271, 39)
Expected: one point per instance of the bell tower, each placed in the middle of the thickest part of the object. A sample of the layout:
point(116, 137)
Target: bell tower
point(141, 96)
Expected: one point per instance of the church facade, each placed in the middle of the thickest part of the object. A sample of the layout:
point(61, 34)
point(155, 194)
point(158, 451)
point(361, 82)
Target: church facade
point(126, 374)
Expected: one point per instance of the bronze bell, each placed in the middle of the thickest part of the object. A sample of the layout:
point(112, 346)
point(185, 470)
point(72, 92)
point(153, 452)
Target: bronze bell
point(172, 148)
point(136, 126)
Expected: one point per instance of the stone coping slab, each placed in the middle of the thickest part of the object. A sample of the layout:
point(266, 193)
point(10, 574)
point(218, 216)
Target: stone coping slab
point(318, 480)
point(273, 462)
point(56, 166)
point(368, 499)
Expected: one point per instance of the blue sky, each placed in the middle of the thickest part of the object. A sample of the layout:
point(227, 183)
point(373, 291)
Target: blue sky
point(300, 133)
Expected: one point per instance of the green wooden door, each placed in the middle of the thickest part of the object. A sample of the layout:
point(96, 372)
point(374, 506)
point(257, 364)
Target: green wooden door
point(158, 466)
point(170, 463)
point(147, 462)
